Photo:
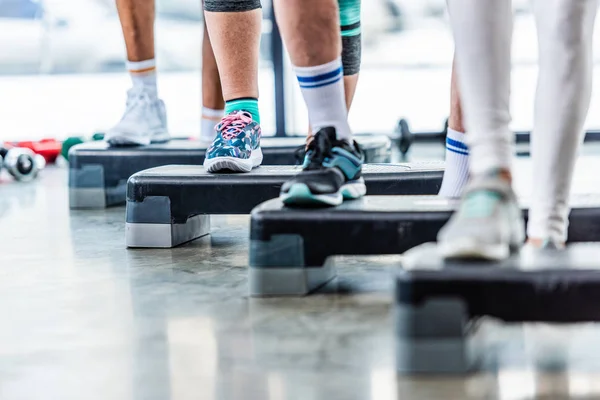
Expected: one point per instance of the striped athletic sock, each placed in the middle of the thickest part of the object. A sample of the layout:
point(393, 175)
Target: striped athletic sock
point(143, 75)
point(456, 173)
point(249, 104)
point(323, 91)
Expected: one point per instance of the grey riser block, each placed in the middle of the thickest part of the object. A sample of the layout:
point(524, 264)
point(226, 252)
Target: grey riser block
point(304, 239)
point(98, 174)
point(437, 303)
point(173, 195)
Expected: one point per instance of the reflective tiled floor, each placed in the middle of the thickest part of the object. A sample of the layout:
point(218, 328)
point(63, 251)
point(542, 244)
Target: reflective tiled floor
point(85, 318)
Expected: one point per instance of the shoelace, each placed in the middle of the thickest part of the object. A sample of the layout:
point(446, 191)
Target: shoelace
point(136, 98)
point(233, 124)
point(318, 149)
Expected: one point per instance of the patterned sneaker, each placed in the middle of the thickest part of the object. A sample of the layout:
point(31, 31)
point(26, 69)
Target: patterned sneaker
point(330, 174)
point(144, 121)
point(487, 225)
point(237, 145)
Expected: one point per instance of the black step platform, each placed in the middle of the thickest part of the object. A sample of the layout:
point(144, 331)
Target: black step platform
point(289, 247)
point(98, 174)
point(437, 303)
point(171, 205)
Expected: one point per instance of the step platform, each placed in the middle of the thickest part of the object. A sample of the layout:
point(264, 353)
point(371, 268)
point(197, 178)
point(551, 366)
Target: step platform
point(98, 174)
point(289, 247)
point(438, 304)
point(171, 205)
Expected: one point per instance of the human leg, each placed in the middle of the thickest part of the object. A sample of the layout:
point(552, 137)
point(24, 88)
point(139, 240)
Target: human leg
point(213, 105)
point(456, 168)
point(144, 120)
point(333, 163)
point(565, 30)
point(351, 48)
point(234, 28)
point(488, 222)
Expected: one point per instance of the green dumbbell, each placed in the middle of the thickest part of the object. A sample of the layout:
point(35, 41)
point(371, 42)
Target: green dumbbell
point(75, 140)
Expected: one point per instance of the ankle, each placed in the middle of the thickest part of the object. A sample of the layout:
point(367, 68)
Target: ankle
point(501, 173)
point(539, 243)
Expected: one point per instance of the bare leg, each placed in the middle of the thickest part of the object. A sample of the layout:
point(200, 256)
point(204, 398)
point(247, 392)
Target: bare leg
point(137, 22)
point(235, 37)
point(455, 121)
point(212, 92)
point(304, 23)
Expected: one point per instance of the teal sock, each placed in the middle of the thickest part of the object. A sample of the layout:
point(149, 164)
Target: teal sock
point(248, 104)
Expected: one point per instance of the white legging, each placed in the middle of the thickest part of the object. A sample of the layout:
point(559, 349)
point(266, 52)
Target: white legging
point(483, 34)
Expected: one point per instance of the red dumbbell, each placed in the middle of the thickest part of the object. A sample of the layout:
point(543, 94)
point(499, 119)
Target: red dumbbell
point(47, 148)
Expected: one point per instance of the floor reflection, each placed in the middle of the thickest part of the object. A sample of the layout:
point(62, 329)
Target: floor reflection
point(83, 317)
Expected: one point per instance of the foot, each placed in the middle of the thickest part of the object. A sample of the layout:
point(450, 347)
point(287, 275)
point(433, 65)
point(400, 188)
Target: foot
point(237, 145)
point(144, 121)
point(487, 225)
point(330, 174)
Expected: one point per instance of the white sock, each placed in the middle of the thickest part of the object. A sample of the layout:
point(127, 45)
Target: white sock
point(143, 75)
point(323, 91)
point(456, 173)
point(210, 118)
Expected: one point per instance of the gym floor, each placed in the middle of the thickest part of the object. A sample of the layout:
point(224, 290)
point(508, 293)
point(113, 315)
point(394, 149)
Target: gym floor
point(85, 318)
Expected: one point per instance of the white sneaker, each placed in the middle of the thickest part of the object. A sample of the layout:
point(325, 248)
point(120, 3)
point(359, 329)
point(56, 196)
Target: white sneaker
point(144, 121)
point(487, 225)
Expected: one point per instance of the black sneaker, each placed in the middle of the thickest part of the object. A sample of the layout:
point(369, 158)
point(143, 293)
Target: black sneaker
point(331, 173)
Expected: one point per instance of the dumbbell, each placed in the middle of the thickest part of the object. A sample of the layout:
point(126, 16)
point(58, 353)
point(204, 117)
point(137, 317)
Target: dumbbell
point(23, 164)
point(406, 137)
point(47, 148)
point(75, 140)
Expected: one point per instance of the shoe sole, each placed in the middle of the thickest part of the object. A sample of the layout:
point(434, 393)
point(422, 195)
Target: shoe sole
point(123, 141)
point(474, 250)
point(300, 195)
point(234, 164)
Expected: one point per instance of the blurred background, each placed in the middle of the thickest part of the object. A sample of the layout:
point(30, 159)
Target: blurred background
point(62, 68)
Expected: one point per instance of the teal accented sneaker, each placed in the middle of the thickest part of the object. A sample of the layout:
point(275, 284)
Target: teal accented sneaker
point(237, 145)
point(331, 173)
point(487, 225)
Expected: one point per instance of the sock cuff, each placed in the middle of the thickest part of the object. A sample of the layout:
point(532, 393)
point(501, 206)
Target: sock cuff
point(141, 66)
point(455, 142)
point(248, 104)
point(240, 99)
point(210, 113)
point(320, 75)
point(318, 69)
point(456, 135)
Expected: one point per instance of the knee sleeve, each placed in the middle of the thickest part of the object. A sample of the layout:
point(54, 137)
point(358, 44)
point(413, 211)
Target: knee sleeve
point(231, 5)
point(351, 39)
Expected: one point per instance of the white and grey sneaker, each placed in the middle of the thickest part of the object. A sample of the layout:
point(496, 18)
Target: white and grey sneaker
point(144, 121)
point(487, 225)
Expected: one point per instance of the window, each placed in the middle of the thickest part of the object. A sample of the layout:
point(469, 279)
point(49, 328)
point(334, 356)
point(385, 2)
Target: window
point(20, 9)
